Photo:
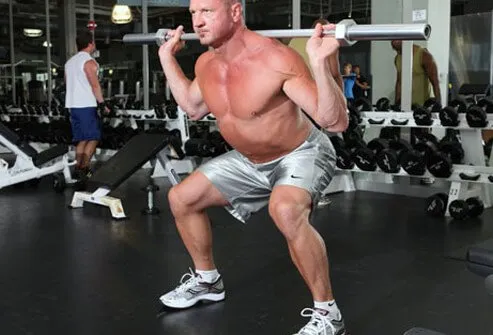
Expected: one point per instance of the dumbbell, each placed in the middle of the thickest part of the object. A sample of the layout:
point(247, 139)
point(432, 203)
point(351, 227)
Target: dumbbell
point(345, 149)
point(449, 115)
point(199, 147)
point(383, 104)
point(476, 115)
point(436, 205)
point(354, 118)
point(365, 156)
point(388, 159)
point(463, 209)
point(422, 114)
point(440, 162)
point(172, 110)
point(414, 161)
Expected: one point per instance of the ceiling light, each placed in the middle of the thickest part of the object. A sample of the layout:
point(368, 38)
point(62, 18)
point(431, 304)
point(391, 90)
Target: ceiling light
point(121, 14)
point(30, 32)
point(45, 44)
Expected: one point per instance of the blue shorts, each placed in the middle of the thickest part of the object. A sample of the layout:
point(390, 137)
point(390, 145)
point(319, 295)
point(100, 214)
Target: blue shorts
point(86, 125)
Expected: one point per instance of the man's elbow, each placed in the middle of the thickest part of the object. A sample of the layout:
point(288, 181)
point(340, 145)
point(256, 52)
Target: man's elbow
point(338, 124)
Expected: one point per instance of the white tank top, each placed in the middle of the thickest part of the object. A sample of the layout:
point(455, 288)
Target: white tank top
point(78, 89)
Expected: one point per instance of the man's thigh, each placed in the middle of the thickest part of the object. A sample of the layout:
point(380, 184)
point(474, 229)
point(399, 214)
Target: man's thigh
point(310, 167)
point(245, 188)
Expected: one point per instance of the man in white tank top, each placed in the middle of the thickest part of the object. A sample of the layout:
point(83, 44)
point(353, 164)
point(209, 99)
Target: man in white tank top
point(84, 99)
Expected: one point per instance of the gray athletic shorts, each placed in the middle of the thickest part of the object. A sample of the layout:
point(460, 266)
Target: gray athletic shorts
point(247, 186)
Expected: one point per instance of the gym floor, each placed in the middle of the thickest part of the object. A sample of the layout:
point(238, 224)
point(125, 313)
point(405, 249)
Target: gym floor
point(79, 272)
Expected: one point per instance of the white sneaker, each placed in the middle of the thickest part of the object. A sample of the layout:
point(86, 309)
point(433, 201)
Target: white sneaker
point(320, 324)
point(192, 290)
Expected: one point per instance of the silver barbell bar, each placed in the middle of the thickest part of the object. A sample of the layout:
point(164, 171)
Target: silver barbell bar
point(347, 31)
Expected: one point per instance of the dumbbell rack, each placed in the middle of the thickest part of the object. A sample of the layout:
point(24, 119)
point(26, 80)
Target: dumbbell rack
point(405, 184)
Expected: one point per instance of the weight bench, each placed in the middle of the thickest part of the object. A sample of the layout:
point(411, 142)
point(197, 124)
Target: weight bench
point(30, 164)
point(139, 150)
point(479, 261)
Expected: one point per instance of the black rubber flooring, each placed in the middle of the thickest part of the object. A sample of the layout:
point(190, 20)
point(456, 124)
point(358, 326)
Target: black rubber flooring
point(80, 272)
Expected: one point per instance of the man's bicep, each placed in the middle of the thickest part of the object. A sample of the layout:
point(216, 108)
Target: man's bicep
point(302, 90)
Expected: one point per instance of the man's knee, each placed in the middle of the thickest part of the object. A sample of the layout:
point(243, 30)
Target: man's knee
point(288, 215)
point(180, 204)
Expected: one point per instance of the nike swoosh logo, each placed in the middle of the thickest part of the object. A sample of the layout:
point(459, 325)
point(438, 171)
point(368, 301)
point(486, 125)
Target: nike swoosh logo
point(295, 177)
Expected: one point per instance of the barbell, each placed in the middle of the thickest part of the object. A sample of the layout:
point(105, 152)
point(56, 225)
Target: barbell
point(346, 31)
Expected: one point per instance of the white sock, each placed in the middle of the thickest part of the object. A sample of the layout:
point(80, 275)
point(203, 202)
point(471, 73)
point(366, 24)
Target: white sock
point(330, 307)
point(208, 276)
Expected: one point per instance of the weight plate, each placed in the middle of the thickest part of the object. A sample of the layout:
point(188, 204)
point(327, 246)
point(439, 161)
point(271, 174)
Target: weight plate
point(486, 104)
point(383, 105)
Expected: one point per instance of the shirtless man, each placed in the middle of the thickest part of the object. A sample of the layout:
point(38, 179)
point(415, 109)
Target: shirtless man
point(255, 87)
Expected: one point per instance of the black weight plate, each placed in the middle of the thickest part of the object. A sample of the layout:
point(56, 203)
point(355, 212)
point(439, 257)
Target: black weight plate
point(344, 160)
point(476, 117)
point(476, 206)
point(439, 165)
point(435, 205)
point(388, 161)
point(353, 121)
point(422, 117)
point(378, 144)
point(454, 150)
point(458, 209)
point(364, 159)
point(449, 117)
point(413, 163)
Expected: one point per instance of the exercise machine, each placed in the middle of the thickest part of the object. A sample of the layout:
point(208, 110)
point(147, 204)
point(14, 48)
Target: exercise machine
point(26, 163)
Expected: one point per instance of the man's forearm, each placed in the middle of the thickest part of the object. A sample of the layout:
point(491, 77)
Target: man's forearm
point(331, 108)
point(179, 84)
point(436, 91)
point(397, 93)
point(98, 93)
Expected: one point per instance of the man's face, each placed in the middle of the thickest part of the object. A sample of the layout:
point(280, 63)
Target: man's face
point(212, 20)
point(347, 69)
point(397, 46)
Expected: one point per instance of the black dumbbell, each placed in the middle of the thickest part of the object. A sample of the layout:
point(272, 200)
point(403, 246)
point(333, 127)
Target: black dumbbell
point(388, 160)
point(423, 114)
point(345, 150)
point(172, 110)
point(383, 104)
point(365, 157)
point(476, 115)
point(199, 147)
point(463, 209)
point(436, 205)
point(414, 161)
point(440, 162)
